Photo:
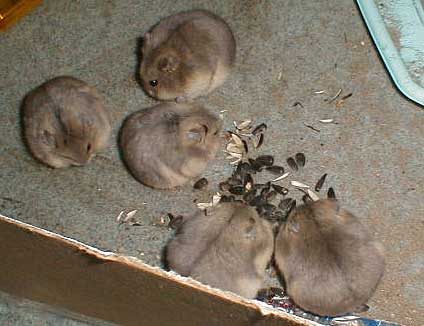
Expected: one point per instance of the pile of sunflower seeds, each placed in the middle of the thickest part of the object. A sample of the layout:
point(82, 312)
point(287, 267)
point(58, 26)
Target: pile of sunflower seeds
point(270, 199)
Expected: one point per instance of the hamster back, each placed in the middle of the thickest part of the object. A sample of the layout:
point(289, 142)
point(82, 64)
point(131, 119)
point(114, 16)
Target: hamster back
point(65, 122)
point(166, 145)
point(329, 260)
point(186, 55)
point(229, 248)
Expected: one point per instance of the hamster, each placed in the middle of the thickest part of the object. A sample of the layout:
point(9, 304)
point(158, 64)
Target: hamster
point(186, 55)
point(167, 145)
point(228, 249)
point(65, 122)
point(330, 262)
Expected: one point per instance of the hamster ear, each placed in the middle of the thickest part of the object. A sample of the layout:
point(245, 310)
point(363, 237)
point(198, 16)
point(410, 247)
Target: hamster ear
point(168, 63)
point(48, 139)
point(146, 41)
point(198, 134)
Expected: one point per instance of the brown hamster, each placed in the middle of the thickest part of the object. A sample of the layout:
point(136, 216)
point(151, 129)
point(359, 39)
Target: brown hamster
point(186, 55)
point(65, 122)
point(166, 145)
point(228, 249)
point(329, 260)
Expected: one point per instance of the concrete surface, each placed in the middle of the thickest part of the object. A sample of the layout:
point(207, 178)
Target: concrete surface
point(374, 155)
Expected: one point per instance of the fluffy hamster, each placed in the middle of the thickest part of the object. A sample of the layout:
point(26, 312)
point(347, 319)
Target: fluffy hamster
point(166, 145)
point(329, 260)
point(228, 249)
point(186, 55)
point(65, 122)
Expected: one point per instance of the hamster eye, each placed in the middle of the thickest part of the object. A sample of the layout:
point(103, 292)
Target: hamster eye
point(88, 147)
point(153, 83)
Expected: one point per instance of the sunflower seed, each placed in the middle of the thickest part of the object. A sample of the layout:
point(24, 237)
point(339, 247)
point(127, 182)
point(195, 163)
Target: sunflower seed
point(237, 190)
point(320, 182)
point(281, 177)
point(265, 160)
point(319, 92)
point(311, 194)
point(259, 129)
point(200, 184)
point(275, 169)
point(236, 139)
point(245, 124)
point(234, 148)
point(298, 184)
point(118, 218)
point(326, 120)
point(255, 165)
point(292, 164)
point(130, 215)
point(281, 190)
point(330, 193)
point(300, 159)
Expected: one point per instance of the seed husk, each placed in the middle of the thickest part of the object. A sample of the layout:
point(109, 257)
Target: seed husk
point(256, 201)
point(224, 186)
point(259, 129)
point(281, 190)
point(245, 124)
point(236, 139)
point(200, 184)
point(300, 159)
point(237, 190)
point(265, 160)
point(260, 141)
point(266, 207)
point(312, 195)
point(278, 216)
point(306, 199)
point(281, 177)
point(246, 148)
point(292, 164)
point(330, 193)
point(284, 203)
point(275, 169)
point(320, 182)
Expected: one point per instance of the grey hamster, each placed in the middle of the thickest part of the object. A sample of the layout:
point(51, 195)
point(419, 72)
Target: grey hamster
point(65, 122)
point(166, 145)
point(330, 262)
point(228, 249)
point(186, 55)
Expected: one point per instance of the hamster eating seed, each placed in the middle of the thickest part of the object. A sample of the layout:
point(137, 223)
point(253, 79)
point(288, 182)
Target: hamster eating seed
point(330, 262)
point(186, 55)
point(65, 122)
point(228, 249)
point(167, 145)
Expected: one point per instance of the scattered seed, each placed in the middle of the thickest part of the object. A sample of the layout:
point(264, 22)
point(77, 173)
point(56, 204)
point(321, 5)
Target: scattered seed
point(265, 160)
point(346, 96)
point(260, 141)
point(330, 193)
point(335, 96)
point(326, 120)
point(118, 218)
point(245, 124)
point(320, 182)
point(297, 103)
point(281, 190)
point(292, 164)
point(234, 148)
point(312, 195)
point(245, 147)
point(280, 75)
point(259, 129)
point(300, 159)
point(235, 162)
point(130, 215)
point(281, 177)
point(236, 139)
point(237, 190)
point(200, 184)
point(311, 127)
point(319, 92)
point(275, 169)
point(298, 184)
point(270, 196)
